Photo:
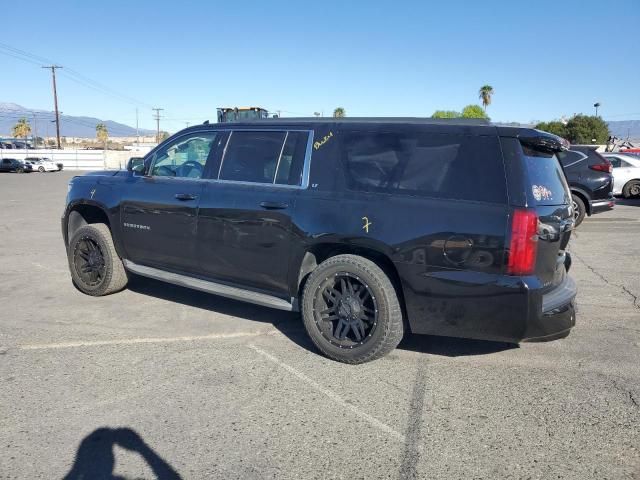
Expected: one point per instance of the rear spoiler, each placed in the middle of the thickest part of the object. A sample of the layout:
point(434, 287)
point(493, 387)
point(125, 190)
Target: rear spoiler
point(544, 141)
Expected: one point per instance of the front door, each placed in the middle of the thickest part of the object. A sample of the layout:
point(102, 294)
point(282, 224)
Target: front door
point(244, 224)
point(159, 210)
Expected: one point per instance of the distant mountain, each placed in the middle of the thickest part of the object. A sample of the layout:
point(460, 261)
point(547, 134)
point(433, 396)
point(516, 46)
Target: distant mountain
point(70, 126)
point(622, 128)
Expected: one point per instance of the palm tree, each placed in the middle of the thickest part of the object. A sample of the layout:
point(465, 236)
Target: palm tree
point(102, 134)
point(339, 112)
point(22, 129)
point(484, 94)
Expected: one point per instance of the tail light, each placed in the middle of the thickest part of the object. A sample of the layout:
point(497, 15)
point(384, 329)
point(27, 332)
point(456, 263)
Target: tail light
point(524, 242)
point(602, 167)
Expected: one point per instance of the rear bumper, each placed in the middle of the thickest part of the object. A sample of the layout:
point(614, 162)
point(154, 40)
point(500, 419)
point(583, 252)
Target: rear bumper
point(557, 316)
point(490, 307)
point(598, 206)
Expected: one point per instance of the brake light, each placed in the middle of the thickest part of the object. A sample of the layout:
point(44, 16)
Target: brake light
point(524, 242)
point(602, 167)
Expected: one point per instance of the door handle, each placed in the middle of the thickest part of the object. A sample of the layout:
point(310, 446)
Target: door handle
point(274, 205)
point(186, 196)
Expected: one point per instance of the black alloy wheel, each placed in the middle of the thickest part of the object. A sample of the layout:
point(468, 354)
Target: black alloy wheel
point(89, 262)
point(351, 310)
point(345, 310)
point(96, 269)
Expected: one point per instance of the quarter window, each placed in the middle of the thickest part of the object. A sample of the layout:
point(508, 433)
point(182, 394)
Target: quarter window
point(184, 157)
point(436, 165)
point(264, 157)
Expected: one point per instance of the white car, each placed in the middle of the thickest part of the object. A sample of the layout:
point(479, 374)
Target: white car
point(41, 164)
point(626, 174)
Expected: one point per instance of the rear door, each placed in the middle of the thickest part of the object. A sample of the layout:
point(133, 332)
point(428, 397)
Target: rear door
point(245, 219)
point(159, 210)
point(548, 194)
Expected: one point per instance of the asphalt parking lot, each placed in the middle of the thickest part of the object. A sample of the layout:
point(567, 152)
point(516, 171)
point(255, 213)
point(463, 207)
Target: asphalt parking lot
point(160, 381)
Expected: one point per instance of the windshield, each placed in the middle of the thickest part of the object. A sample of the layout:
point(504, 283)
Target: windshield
point(548, 182)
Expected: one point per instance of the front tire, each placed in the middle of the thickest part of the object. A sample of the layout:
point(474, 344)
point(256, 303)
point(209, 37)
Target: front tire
point(579, 209)
point(351, 310)
point(19, 170)
point(94, 264)
point(41, 169)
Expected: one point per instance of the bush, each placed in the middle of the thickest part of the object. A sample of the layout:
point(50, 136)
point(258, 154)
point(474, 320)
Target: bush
point(586, 129)
point(446, 114)
point(556, 127)
point(474, 111)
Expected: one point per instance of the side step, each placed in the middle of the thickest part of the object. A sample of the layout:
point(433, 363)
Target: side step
point(209, 287)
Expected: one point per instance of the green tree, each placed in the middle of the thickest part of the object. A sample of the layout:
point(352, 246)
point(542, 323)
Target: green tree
point(474, 111)
point(339, 112)
point(587, 129)
point(485, 93)
point(556, 127)
point(446, 114)
point(164, 135)
point(22, 129)
point(102, 134)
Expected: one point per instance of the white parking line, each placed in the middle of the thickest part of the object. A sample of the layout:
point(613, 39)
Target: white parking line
point(333, 396)
point(133, 341)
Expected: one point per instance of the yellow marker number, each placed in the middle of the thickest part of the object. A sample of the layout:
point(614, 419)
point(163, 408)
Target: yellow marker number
point(367, 224)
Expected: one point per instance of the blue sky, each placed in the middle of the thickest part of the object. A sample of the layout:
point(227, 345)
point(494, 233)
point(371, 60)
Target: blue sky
point(403, 58)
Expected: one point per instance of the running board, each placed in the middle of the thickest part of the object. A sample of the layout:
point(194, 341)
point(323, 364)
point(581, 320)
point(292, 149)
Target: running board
point(209, 287)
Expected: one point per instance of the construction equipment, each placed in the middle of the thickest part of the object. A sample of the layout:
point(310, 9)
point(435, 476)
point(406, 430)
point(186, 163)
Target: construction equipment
point(239, 114)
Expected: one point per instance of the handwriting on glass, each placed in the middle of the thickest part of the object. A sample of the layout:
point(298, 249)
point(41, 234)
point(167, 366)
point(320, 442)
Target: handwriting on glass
point(325, 139)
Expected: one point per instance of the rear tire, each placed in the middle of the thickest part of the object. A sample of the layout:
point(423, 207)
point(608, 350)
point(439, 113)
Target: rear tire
point(579, 209)
point(351, 310)
point(41, 169)
point(96, 268)
point(631, 189)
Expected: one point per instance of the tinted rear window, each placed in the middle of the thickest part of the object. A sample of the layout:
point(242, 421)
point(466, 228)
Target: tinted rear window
point(436, 165)
point(548, 182)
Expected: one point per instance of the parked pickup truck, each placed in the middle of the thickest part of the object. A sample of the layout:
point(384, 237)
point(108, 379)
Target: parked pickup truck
point(369, 227)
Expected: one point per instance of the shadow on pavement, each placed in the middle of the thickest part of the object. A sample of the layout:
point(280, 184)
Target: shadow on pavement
point(95, 458)
point(451, 346)
point(290, 323)
point(630, 202)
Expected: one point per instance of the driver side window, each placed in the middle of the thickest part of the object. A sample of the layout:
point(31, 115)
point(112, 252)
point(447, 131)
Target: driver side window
point(185, 157)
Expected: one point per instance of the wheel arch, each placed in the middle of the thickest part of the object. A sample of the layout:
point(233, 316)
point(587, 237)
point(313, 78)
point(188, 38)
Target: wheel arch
point(84, 212)
point(584, 197)
point(318, 253)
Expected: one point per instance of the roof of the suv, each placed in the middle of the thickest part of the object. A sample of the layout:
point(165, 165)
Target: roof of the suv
point(457, 125)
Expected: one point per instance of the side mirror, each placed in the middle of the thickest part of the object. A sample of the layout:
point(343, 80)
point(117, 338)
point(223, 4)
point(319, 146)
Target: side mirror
point(136, 165)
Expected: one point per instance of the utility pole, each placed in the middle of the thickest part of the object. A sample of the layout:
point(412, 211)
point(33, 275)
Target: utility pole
point(55, 101)
point(137, 131)
point(157, 119)
point(35, 130)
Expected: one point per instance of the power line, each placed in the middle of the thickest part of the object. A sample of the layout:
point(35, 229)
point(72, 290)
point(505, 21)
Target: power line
point(70, 73)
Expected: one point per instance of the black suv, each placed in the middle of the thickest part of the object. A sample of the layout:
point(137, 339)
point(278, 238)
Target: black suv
point(13, 165)
point(590, 179)
point(369, 227)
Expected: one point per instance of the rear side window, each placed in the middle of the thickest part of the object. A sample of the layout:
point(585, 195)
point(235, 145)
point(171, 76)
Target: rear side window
point(548, 182)
point(265, 157)
point(570, 158)
point(436, 165)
